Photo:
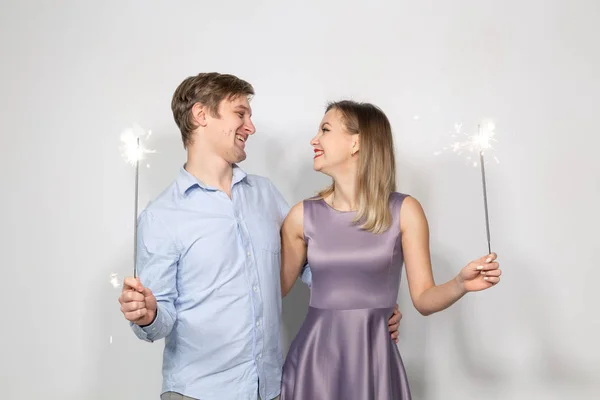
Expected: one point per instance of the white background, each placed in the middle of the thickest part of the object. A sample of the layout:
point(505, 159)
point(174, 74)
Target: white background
point(75, 74)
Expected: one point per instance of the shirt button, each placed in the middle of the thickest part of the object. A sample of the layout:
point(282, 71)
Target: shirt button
point(256, 288)
point(248, 254)
point(257, 323)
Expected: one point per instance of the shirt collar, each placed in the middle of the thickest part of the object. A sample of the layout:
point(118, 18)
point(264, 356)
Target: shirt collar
point(187, 181)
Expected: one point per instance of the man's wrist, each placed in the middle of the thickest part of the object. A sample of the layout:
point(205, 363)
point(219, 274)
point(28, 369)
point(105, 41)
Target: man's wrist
point(144, 324)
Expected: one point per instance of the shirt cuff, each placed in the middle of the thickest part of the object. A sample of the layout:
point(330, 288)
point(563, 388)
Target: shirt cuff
point(148, 333)
point(306, 276)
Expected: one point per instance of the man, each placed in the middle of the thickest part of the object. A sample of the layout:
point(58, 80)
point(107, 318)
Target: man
point(209, 256)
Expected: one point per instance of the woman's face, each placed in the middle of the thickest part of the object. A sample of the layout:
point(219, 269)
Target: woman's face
point(334, 147)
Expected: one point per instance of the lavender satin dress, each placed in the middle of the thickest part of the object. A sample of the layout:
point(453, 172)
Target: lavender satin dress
point(343, 350)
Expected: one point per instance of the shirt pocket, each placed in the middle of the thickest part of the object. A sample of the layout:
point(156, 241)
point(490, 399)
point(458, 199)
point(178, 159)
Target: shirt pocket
point(265, 233)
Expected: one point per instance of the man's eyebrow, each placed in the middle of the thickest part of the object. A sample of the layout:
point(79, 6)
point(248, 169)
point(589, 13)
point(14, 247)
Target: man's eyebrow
point(243, 107)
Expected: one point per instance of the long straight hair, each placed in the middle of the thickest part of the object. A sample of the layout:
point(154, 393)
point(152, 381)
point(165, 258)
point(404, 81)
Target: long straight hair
point(376, 177)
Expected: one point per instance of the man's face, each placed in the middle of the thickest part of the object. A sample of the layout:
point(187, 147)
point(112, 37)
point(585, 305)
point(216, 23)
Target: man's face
point(227, 134)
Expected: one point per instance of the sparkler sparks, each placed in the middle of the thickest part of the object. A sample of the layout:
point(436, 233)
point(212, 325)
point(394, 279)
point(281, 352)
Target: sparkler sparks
point(478, 144)
point(472, 145)
point(132, 150)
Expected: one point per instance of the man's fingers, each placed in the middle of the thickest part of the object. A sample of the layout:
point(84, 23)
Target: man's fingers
point(131, 283)
point(130, 296)
point(395, 318)
point(136, 315)
point(132, 306)
point(147, 292)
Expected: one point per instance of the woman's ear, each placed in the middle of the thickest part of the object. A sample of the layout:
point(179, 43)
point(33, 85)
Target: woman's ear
point(355, 144)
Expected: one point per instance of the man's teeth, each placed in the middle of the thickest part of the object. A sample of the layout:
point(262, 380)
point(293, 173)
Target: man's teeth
point(240, 138)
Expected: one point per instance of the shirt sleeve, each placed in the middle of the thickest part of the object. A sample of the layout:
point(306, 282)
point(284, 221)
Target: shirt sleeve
point(284, 208)
point(156, 262)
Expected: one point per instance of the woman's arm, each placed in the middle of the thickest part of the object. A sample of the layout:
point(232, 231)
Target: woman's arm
point(293, 248)
point(426, 296)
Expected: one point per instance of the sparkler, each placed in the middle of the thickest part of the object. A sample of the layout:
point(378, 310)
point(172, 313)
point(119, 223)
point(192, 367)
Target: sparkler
point(479, 143)
point(483, 141)
point(133, 152)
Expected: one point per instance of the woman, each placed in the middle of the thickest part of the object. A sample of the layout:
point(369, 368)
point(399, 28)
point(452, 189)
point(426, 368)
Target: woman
point(356, 235)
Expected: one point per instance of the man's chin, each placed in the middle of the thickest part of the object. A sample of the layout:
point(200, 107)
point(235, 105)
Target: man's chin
point(238, 157)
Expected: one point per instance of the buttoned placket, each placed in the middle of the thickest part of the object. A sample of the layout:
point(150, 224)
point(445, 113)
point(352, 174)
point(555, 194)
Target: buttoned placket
point(251, 272)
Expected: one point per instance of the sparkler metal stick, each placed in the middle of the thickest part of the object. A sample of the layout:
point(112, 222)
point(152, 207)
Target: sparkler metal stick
point(485, 202)
point(135, 214)
point(133, 152)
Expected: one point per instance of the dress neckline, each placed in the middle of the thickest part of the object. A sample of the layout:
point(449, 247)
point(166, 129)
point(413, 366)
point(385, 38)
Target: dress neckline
point(335, 209)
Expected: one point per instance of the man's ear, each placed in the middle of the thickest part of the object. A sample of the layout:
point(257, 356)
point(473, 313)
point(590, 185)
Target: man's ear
point(199, 114)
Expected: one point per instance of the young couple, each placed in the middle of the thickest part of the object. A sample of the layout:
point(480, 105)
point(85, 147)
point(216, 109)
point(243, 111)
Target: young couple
point(218, 249)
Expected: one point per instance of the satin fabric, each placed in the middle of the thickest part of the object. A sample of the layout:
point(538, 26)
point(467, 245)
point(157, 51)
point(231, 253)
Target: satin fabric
point(343, 349)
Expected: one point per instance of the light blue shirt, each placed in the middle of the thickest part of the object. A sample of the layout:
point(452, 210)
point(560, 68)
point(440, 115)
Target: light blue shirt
point(213, 264)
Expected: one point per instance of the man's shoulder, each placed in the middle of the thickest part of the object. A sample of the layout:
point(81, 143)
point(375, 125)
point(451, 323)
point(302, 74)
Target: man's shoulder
point(164, 202)
point(259, 180)
point(264, 191)
point(262, 184)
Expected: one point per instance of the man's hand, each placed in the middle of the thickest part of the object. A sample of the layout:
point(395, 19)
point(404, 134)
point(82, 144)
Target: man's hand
point(138, 304)
point(394, 323)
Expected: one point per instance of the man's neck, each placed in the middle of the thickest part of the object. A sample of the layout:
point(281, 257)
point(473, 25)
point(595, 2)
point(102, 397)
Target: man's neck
point(211, 170)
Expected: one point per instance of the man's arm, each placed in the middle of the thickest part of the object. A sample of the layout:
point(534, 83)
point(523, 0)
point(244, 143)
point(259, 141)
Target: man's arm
point(156, 263)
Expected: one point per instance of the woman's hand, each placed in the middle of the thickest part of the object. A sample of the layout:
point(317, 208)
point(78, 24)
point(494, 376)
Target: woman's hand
point(480, 274)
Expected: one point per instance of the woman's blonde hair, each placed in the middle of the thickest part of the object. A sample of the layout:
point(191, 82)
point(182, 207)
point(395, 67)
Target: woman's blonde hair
point(376, 178)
